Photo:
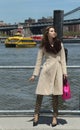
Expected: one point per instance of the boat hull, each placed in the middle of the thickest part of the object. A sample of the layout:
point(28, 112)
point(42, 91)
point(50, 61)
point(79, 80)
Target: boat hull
point(10, 45)
point(20, 45)
point(25, 45)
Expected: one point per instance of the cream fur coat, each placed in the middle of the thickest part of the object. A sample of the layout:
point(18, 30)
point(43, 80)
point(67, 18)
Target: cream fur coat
point(51, 76)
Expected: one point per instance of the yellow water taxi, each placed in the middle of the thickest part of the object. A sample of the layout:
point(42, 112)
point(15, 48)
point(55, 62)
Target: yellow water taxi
point(19, 41)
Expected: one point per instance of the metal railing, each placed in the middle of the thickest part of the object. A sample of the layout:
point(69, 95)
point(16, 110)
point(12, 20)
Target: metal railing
point(17, 94)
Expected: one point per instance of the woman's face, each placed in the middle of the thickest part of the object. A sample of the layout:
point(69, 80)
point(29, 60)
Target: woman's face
point(52, 33)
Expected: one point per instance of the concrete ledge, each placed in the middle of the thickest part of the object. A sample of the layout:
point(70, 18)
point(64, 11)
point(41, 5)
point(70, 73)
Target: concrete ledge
point(31, 112)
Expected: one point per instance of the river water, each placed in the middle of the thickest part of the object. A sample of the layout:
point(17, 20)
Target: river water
point(17, 93)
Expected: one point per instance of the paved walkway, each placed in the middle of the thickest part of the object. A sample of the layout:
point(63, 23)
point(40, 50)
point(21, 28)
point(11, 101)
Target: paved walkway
point(26, 123)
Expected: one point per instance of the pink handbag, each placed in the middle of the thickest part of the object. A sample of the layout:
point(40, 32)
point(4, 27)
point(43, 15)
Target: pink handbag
point(66, 91)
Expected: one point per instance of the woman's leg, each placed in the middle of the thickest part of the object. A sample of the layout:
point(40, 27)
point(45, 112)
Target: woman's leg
point(37, 109)
point(55, 109)
point(55, 104)
point(38, 103)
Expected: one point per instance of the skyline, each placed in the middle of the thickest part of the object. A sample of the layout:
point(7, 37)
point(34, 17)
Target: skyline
point(19, 10)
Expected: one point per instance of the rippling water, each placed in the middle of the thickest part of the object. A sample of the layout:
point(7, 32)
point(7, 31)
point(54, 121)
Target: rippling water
point(16, 92)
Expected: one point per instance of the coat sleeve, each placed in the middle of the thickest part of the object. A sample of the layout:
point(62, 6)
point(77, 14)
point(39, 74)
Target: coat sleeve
point(38, 62)
point(63, 60)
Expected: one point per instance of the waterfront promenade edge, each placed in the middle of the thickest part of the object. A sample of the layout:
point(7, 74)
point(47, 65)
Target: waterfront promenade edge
point(26, 123)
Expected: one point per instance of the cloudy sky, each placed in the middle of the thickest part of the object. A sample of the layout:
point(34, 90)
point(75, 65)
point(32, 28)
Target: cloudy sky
point(14, 11)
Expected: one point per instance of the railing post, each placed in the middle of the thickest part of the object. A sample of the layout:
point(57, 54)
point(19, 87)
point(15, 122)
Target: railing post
point(58, 22)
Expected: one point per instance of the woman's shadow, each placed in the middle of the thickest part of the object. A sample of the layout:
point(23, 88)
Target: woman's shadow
point(48, 120)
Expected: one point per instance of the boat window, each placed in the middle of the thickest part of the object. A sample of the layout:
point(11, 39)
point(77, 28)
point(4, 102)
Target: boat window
point(27, 41)
point(13, 40)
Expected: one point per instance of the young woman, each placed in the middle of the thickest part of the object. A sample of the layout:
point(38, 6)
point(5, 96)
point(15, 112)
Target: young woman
point(52, 73)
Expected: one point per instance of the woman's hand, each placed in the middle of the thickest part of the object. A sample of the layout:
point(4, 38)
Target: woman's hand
point(64, 79)
point(65, 76)
point(32, 78)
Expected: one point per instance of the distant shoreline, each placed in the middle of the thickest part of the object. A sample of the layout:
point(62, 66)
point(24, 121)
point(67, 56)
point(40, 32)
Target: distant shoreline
point(71, 40)
point(65, 40)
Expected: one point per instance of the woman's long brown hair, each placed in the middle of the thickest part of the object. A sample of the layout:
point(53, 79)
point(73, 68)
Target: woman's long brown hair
point(45, 42)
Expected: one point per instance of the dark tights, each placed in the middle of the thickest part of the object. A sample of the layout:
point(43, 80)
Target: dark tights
point(54, 104)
